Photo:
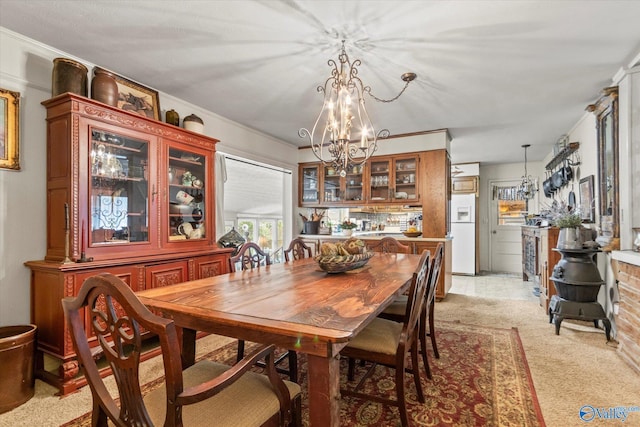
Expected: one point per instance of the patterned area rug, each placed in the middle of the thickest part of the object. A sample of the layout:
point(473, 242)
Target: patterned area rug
point(481, 379)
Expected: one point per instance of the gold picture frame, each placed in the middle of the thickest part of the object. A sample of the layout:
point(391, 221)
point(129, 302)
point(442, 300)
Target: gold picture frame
point(136, 98)
point(9, 129)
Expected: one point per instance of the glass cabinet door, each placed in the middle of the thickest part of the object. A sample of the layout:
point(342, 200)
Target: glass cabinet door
point(310, 184)
point(187, 195)
point(406, 178)
point(119, 189)
point(331, 185)
point(354, 184)
point(380, 180)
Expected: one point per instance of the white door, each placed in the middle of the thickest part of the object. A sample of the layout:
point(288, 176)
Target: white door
point(506, 218)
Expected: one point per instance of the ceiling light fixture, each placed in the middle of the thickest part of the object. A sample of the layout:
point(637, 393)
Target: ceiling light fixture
point(528, 187)
point(343, 109)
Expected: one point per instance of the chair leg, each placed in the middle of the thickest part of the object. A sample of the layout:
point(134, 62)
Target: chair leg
point(432, 331)
point(402, 404)
point(423, 343)
point(416, 371)
point(240, 350)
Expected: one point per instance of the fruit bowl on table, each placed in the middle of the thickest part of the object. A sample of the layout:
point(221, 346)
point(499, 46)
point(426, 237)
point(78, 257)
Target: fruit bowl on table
point(342, 263)
point(412, 233)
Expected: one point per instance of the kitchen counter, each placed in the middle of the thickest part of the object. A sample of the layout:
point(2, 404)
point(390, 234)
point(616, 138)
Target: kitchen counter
point(373, 235)
point(418, 244)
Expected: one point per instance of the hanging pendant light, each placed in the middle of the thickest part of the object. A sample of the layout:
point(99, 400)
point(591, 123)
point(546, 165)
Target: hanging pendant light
point(343, 111)
point(528, 187)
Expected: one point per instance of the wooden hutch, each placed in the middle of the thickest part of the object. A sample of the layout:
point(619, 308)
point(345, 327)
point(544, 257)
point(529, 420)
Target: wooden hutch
point(127, 195)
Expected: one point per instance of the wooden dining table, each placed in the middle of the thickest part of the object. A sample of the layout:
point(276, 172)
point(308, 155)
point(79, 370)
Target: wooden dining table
point(294, 305)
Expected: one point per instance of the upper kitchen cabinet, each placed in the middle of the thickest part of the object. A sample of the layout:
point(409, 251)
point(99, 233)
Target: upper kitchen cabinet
point(394, 179)
point(121, 185)
point(435, 185)
point(309, 184)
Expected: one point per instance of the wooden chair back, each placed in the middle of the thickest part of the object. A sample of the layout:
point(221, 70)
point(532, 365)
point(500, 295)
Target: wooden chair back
point(434, 274)
point(390, 245)
point(249, 256)
point(118, 320)
point(297, 249)
point(416, 298)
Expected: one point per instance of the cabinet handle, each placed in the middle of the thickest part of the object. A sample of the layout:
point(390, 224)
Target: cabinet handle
point(153, 193)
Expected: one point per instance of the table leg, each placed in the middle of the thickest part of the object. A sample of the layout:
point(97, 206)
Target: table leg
point(324, 391)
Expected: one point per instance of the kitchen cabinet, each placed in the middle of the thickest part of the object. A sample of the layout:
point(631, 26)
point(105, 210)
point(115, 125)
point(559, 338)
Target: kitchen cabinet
point(464, 185)
point(445, 279)
point(394, 179)
point(126, 195)
point(342, 190)
point(415, 179)
point(309, 184)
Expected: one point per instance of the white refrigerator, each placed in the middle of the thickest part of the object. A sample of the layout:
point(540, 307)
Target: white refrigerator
point(463, 230)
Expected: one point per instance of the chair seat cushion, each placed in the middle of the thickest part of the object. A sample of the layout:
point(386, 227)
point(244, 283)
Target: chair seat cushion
point(398, 307)
point(250, 401)
point(380, 336)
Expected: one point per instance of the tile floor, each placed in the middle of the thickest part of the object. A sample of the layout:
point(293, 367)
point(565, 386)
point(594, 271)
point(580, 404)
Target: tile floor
point(500, 286)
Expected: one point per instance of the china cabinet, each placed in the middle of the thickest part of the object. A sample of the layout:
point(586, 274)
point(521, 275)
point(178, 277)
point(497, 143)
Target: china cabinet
point(127, 195)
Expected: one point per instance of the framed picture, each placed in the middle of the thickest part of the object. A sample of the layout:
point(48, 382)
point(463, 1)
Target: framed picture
point(587, 201)
point(136, 98)
point(9, 129)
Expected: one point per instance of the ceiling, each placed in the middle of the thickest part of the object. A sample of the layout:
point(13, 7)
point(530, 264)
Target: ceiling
point(497, 74)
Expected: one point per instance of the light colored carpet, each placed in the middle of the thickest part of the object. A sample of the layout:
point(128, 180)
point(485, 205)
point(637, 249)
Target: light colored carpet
point(569, 370)
point(576, 368)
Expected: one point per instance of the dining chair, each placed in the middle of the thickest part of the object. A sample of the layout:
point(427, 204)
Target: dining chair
point(397, 310)
point(386, 342)
point(390, 245)
point(297, 249)
point(250, 256)
point(108, 313)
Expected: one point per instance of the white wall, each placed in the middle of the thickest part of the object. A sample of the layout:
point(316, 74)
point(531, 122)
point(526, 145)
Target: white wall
point(26, 67)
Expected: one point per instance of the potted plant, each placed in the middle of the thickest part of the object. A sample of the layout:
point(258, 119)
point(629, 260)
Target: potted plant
point(569, 221)
point(347, 227)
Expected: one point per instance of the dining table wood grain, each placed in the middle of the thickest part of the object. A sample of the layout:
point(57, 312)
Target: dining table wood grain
point(294, 305)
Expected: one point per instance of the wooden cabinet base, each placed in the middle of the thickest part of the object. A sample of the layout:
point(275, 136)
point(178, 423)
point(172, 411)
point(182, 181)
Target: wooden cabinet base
point(51, 282)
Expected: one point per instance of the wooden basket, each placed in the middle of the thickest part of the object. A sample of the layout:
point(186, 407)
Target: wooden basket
point(339, 264)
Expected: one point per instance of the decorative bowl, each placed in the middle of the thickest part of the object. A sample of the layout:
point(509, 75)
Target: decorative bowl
point(412, 233)
point(342, 263)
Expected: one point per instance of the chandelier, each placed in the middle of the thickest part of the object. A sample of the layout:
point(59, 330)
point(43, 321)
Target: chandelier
point(528, 186)
point(343, 111)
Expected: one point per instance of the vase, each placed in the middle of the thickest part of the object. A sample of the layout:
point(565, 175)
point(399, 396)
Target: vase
point(172, 118)
point(104, 87)
point(68, 76)
point(569, 238)
point(347, 232)
point(193, 123)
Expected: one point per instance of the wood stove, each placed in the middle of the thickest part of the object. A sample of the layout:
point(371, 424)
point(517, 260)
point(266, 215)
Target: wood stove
point(577, 281)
